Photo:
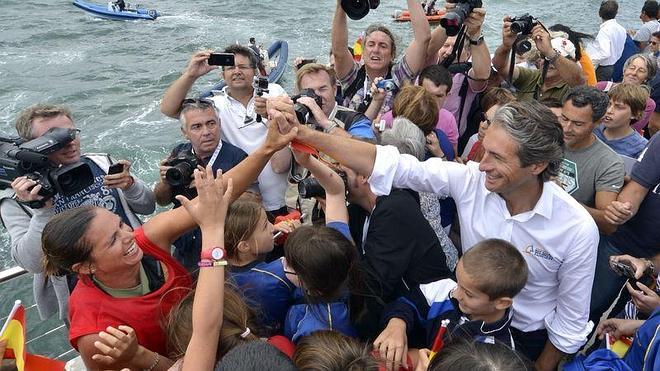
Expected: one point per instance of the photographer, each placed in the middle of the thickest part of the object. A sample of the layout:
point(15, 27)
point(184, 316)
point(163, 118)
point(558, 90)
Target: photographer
point(242, 112)
point(121, 193)
point(559, 53)
point(201, 127)
point(378, 56)
point(463, 98)
point(330, 117)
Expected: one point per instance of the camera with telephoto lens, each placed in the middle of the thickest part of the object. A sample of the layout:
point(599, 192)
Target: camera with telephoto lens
point(310, 187)
point(302, 111)
point(387, 85)
point(182, 168)
point(454, 18)
point(30, 158)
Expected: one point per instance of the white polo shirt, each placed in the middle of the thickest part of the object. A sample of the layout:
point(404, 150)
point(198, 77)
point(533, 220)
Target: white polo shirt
point(239, 127)
point(558, 239)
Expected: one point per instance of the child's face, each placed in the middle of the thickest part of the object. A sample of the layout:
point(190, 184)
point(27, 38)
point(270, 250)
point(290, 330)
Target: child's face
point(262, 236)
point(618, 114)
point(472, 302)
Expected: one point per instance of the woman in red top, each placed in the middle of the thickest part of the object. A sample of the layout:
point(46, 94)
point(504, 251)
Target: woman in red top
point(127, 277)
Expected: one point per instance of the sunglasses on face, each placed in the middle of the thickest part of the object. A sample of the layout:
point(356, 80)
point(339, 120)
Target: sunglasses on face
point(200, 101)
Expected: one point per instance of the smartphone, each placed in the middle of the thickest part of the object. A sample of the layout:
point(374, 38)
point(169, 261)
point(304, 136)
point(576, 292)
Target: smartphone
point(625, 269)
point(221, 59)
point(115, 168)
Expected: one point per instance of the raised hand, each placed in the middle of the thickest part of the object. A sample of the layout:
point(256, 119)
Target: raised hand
point(210, 208)
point(198, 64)
point(392, 344)
point(123, 180)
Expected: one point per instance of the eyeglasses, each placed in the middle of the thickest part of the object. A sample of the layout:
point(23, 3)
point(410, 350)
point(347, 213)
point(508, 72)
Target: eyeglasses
point(242, 67)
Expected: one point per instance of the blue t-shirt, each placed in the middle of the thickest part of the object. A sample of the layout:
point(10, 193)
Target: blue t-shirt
point(631, 145)
point(640, 235)
point(362, 129)
point(95, 194)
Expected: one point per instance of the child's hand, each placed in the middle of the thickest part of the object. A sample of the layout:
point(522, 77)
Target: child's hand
point(392, 343)
point(645, 299)
point(618, 327)
point(424, 360)
point(287, 226)
point(210, 208)
point(118, 346)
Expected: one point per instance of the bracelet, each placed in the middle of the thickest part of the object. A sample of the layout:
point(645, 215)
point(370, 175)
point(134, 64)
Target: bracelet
point(155, 363)
point(206, 263)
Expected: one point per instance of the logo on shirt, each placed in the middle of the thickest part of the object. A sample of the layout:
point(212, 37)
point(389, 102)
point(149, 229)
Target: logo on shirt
point(568, 176)
point(538, 252)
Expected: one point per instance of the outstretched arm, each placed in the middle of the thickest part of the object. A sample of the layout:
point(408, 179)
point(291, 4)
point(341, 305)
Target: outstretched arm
point(501, 57)
point(343, 58)
point(416, 52)
point(176, 93)
point(335, 198)
point(210, 213)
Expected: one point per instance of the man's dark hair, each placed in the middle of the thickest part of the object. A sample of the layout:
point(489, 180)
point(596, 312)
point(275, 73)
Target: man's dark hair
point(583, 96)
point(608, 9)
point(244, 51)
point(255, 356)
point(656, 34)
point(437, 74)
point(650, 8)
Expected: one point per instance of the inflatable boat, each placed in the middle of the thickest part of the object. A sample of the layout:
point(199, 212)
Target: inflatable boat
point(111, 12)
point(404, 16)
point(274, 60)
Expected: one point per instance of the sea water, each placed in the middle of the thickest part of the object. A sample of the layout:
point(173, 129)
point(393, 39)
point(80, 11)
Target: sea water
point(112, 74)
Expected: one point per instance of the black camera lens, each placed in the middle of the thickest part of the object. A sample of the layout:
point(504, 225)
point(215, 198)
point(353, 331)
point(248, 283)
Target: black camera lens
point(302, 112)
point(453, 19)
point(179, 174)
point(71, 179)
point(310, 187)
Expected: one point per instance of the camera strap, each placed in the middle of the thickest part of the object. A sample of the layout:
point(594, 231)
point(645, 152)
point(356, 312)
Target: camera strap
point(457, 49)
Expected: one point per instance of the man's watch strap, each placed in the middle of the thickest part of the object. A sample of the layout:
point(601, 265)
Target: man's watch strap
point(476, 41)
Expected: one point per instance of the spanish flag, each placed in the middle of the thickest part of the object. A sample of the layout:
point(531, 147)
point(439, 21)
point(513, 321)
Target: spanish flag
point(13, 331)
point(357, 49)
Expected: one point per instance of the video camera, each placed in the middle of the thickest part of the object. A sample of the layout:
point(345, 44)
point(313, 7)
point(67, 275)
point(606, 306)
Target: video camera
point(310, 187)
point(182, 168)
point(260, 86)
point(302, 111)
point(30, 158)
point(454, 18)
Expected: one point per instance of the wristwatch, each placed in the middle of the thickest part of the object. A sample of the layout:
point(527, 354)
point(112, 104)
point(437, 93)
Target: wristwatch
point(554, 58)
point(214, 254)
point(478, 41)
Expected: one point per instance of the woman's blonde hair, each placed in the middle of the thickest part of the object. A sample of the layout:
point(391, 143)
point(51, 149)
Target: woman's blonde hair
point(417, 105)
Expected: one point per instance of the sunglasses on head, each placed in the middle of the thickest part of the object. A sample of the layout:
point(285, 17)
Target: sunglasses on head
point(200, 101)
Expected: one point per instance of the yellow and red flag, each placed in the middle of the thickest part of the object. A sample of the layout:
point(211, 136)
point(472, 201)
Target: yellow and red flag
point(14, 332)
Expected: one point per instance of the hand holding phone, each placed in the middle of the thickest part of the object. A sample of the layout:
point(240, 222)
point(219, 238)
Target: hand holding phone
point(115, 168)
point(221, 59)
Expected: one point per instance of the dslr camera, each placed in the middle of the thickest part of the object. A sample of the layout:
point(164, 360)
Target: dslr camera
point(302, 111)
point(523, 25)
point(182, 168)
point(453, 19)
point(30, 158)
point(310, 187)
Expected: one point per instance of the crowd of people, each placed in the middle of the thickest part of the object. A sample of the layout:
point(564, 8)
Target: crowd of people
point(470, 212)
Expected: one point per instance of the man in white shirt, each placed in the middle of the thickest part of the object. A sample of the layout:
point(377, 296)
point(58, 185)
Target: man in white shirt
point(650, 24)
point(611, 38)
point(242, 114)
point(508, 195)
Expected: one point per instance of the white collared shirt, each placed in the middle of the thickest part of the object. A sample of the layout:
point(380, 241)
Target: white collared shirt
point(239, 126)
point(558, 239)
point(609, 43)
